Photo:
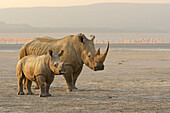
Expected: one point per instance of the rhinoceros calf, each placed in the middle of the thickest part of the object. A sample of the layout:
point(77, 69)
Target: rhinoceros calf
point(40, 69)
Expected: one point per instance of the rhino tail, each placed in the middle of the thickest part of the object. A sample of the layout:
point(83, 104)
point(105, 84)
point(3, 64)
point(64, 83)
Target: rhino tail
point(23, 50)
point(22, 53)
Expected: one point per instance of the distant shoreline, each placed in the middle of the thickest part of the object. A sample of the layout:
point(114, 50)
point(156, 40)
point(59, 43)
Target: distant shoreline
point(113, 47)
point(115, 38)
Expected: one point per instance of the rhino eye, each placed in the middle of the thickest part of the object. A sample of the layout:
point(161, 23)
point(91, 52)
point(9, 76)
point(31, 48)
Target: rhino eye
point(55, 64)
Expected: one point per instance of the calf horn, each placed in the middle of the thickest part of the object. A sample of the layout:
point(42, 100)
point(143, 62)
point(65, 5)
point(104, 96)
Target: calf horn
point(102, 56)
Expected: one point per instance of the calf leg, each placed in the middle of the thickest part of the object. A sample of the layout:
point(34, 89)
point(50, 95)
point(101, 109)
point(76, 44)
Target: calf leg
point(36, 87)
point(28, 84)
point(41, 82)
point(20, 76)
point(25, 83)
point(20, 86)
point(47, 85)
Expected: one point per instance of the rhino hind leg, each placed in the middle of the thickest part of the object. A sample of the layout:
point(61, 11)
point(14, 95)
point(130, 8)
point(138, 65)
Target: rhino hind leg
point(20, 85)
point(36, 87)
point(28, 87)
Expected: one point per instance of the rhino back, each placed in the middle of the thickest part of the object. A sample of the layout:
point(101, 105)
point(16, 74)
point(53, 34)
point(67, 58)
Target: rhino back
point(40, 46)
point(36, 46)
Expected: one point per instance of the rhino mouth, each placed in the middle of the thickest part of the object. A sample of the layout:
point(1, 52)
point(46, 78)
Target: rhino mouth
point(98, 68)
point(62, 72)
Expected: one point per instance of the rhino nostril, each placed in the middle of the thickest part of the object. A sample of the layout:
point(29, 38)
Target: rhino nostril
point(95, 68)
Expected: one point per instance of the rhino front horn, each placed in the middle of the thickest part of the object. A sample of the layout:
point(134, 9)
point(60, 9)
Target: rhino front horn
point(102, 56)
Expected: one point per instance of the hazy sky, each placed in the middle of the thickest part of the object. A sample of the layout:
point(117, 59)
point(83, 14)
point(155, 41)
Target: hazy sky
point(52, 3)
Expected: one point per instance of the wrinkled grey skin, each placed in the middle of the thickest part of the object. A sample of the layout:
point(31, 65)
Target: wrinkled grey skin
point(40, 69)
point(78, 50)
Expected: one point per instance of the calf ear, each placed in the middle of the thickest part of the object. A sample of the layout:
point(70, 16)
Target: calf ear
point(50, 52)
point(61, 53)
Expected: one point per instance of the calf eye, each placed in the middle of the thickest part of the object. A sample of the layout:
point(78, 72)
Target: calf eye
point(89, 56)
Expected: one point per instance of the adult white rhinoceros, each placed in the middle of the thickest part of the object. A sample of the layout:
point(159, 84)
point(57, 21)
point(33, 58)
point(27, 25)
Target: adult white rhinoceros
point(78, 50)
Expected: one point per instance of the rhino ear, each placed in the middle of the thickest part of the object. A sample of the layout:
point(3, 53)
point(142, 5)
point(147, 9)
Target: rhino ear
point(92, 37)
point(81, 39)
point(60, 53)
point(50, 52)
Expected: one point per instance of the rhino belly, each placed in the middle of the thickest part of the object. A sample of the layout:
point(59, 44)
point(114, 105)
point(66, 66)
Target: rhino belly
point(28, 70)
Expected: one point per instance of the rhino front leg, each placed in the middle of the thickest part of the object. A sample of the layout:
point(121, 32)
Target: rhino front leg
point(69, 78)
point(75, 76)
point(28, 84)
point(41, 82)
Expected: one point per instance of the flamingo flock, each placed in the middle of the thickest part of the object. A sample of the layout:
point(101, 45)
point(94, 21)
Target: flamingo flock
point(14, 40)
point(133, 41)
point(97, 41)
